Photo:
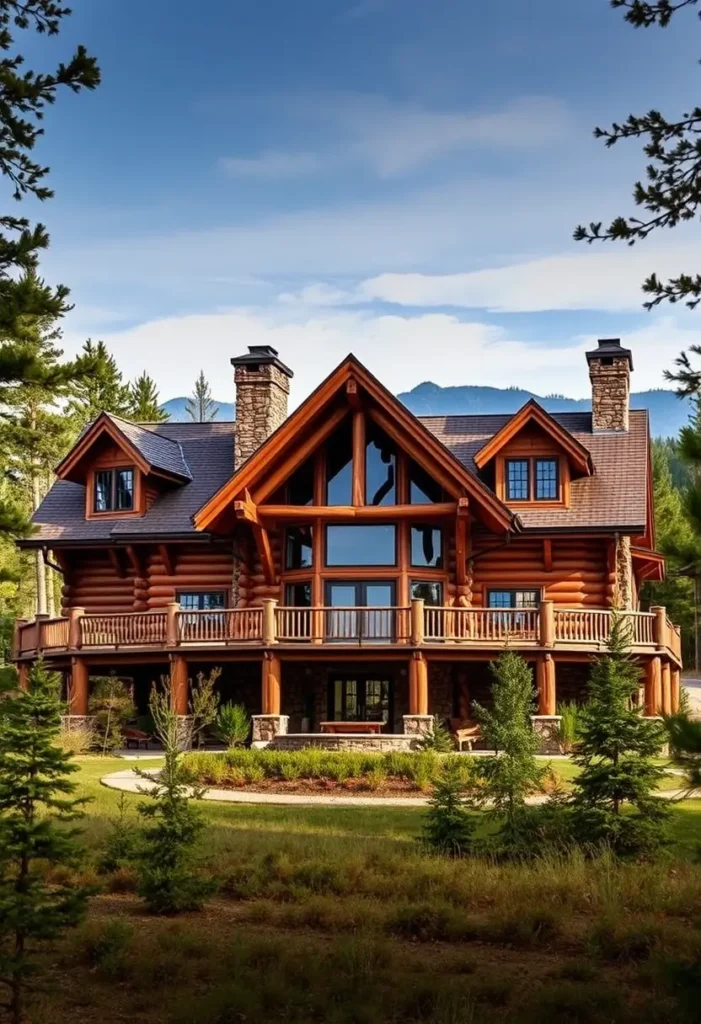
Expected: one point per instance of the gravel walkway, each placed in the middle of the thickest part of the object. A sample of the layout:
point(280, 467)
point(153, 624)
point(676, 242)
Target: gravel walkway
point(128, 782)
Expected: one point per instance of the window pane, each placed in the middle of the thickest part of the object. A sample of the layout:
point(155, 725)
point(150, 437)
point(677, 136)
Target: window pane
point(380, 469)
point(200, 600)
point(526, 598)
point(103, 490)
point(545, 479)
point(300, 487)
point(298, 549)
point(360, 545)
point(430, 593)
point(214, 600)
point(514, 598)
point(422, 489)
point(517, 479)
point(125, 489)
point(500, 599)
point(298, 595)
point(426, 546)
point(339, 467)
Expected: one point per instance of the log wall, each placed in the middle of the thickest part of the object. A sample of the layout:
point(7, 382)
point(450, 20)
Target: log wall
point(195, 569)
point(92, 583)
point(251, 584)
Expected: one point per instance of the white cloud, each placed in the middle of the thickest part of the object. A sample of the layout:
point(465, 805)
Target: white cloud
point(395, 138)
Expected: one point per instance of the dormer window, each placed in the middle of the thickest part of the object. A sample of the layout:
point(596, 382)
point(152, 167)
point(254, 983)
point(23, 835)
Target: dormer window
point(546, 483)
point(517, 479)
point(532, 479)
point(114, 490)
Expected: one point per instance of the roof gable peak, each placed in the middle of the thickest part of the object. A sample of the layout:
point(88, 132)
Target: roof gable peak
point(532, 412)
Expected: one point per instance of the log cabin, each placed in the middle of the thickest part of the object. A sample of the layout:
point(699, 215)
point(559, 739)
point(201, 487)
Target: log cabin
point(351, 567)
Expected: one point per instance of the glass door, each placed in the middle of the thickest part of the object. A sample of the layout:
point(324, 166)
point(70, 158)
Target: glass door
point(372, 622)
point(359, 698)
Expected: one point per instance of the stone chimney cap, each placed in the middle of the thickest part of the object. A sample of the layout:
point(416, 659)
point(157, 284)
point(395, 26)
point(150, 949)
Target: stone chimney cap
point(261, 355)
point(610, 347)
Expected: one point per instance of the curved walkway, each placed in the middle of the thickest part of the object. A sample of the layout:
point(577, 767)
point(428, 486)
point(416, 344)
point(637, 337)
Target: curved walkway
point(129, 782)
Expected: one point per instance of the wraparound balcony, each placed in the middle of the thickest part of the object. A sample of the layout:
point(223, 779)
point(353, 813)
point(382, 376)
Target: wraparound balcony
point(414, 626)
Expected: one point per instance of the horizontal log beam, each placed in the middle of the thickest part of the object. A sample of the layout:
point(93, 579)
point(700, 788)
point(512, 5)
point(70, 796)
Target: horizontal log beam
point(385, 513)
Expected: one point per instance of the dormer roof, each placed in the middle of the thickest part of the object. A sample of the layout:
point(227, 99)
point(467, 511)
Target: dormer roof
point(532, 413)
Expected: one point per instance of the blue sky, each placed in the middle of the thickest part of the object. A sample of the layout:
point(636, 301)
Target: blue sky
point(393, 177)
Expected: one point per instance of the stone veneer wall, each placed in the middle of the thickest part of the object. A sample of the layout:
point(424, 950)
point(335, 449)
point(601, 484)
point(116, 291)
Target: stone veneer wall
point(610, 387)
point(261, 406)
point(623, 594)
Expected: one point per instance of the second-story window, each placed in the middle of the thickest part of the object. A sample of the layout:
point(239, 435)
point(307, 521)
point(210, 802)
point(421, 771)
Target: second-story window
point(517, 480)
point(546, 479)
point(114, 490)
point(426, 546)
point(298, 550)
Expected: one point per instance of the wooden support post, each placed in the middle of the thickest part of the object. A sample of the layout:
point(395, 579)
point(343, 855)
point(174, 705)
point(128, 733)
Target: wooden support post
point(676, 690)
point(418, 684)
point(75, 641)
point(659, 626)
point(545, 682)
point(40, 618)
point(461, 543)
point(358, 479)
point(417, 624)
point(271, 697)
point(653, 686)
point(79, 687)
point(179, 685)
point(666, 688)
point(269, 630)
point(23, 670)
point(547, 626)
point(16, 634)
point(172, 609)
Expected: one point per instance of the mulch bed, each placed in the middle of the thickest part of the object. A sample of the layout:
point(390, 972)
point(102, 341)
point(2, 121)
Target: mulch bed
point(351, 787)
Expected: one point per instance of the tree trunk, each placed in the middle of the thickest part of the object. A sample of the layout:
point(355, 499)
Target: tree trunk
point(40, 572)
point(697, 623)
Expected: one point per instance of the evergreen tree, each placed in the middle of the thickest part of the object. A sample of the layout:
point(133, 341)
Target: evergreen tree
point(615, 753)
point(101, 390)
point(201, 407)
point(143, 401)
point(684, 735)
point(672, 192)
point(448, 827)
point(37, 809)
point(507, 729)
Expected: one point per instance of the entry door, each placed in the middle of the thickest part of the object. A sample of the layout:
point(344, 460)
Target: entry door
point(375, 624)
point(357, 697)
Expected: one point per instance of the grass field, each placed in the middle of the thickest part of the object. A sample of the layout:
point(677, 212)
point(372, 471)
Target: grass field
point(335, 914)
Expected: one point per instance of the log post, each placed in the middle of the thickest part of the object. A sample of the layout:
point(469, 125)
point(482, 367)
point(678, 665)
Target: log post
point(659, 627)
point(417, 623)
point(79, 687)
point(653, 687)
point(676, 690)
point(23, 670)
point(271, 697)
point(418, 684)
point(16, 635)
point(269, 631)
point(75, 640)
point(172, 610)
point(40, 618)
point(545, 683)
point(547, 624)
point(358, 471)
point(666, 688)
point(179, 695)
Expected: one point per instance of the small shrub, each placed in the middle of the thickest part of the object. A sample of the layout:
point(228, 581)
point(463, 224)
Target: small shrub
point(376, 777)
point(620, 941)
point(448, 827)
point(111, 705)
point(569, 1002)
point(438, 739)
point(77, 738)
point(425, 922)
point(233, 724)
point(105, 946)
point(569, 724)
point(204, 703)
point(122, 843)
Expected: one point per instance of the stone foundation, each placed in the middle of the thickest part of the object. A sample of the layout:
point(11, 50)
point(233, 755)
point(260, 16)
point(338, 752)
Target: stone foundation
point(547, 729)
point(185, 723)
point(267, 728)
point(368, 743)
point(418, 725)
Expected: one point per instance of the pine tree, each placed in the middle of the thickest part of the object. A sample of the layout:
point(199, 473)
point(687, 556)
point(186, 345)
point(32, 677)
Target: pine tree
point(37, 811)
point(615, 753)
point(143, 401)
point(101, 390)
point(201, 407)
point(448, 827)
point(507, 729)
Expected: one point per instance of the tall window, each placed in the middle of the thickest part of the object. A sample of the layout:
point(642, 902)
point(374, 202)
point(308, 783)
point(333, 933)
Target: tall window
point(546, 479)
point(517, 480)
point(298, 595)
point(300, 486)
point(361, 545)
point(339, 467)
point(380, 469)
point(114, 490)
point(423, 490)
point(298, 547)
point(426, 546)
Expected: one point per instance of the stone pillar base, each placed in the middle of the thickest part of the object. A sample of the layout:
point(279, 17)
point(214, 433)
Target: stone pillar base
point(185, 732)
point(418, 725)
point(547, 729)
point(267, 727)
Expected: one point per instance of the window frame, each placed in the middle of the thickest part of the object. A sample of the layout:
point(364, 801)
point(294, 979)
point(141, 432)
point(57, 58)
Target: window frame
point(360, 565)
point(289, 531)
point(179, 594)
point(113, 472)
point(561, 478)
point(526, 461)
point(512, 591)
point(556, 462)
point(441, 556)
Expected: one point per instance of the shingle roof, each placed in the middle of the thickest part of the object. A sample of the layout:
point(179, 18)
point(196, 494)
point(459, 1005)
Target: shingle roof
point(160, 451)
point(614, 497)
point(206, 449)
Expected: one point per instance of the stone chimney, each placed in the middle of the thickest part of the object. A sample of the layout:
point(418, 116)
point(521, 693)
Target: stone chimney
point(609, 371)
point(262, 386)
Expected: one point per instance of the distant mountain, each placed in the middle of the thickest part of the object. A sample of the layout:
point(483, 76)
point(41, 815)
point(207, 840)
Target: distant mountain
point(667, 412)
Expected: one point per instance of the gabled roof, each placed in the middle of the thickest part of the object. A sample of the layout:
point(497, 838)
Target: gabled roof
point(391, 415)
point(531, 412)
point(151, 451)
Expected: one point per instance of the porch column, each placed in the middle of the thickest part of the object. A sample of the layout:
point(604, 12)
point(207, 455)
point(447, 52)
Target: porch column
point(418, 721)
point(666, 689)
point(653, 687)
point(74, 634)
point(179, 694)
point(270, 723)
point(79, 687)
point(547, 624)
point(676, 690)
point(23, 670)
point(545, 683)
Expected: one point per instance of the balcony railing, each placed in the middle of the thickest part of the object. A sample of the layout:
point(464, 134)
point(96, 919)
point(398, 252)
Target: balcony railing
point(488, 628)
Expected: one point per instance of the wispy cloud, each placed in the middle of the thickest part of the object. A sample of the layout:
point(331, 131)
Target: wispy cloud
point(393, 139)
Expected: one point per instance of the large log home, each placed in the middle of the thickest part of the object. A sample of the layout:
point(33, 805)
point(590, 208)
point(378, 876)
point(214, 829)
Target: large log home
point(353, 567)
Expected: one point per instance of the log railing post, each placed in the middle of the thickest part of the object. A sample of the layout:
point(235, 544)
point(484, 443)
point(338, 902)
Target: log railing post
point(75, 640)
point(40, 618)
point(17, 636)
point(172, 637)
point(269, 631)
point(547, 624)
point(659, 626)
point(417, 622)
